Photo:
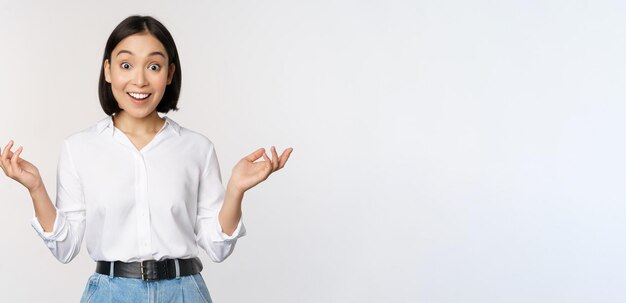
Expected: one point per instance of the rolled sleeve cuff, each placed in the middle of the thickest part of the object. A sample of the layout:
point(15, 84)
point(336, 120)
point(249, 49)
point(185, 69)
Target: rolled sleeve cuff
point(220, 236)
point(58, 233)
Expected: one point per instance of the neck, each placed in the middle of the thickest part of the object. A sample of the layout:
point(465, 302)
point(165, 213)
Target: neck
point(150, 124)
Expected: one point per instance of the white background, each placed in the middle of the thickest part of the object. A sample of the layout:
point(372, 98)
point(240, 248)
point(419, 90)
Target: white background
point(445, 151)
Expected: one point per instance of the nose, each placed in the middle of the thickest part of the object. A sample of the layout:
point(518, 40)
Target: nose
point(140, 78)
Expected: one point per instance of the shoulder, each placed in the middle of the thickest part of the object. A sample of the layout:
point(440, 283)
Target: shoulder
point(89, 133)
point(190, 137)
point(193, 144)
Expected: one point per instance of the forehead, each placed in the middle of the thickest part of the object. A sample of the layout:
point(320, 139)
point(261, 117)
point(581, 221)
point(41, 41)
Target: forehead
point(141, 44)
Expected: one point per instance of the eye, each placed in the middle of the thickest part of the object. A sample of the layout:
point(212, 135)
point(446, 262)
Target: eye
point(125, 65)
point(154, 67)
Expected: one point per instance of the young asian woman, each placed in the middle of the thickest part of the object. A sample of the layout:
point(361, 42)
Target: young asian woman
point(144, 192)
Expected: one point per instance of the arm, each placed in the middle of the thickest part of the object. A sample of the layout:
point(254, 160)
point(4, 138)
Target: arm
point(61, 227)
point(246, 175)
point(44, 209)
point(28, 175)
point(218, 222)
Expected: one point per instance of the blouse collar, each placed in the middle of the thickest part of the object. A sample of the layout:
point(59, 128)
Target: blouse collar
point(107, 123)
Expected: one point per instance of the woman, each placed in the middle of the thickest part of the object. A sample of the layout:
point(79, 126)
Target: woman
point(142, 190)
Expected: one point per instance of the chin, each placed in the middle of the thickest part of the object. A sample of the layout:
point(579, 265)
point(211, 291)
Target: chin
point(138, 114)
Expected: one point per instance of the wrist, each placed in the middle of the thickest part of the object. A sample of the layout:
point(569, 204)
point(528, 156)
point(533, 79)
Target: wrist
point(36, 189)
point(234, 191)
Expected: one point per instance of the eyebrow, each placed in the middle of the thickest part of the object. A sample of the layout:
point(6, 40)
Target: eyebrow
point(157, 53)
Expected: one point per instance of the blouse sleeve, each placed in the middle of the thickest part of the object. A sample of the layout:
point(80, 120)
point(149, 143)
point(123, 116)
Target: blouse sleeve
point(209, 234)
point(65, 239)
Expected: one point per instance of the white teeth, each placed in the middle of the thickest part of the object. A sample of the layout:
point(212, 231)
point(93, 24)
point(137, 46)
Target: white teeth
point(139, 96)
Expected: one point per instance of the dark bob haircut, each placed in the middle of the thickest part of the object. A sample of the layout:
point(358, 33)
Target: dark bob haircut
point(134, 25)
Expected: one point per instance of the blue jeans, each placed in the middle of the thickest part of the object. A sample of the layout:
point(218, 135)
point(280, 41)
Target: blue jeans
point(103, 288)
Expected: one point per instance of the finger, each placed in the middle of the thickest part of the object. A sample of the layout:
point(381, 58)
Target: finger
point(268, 162)
point(255, 155)
point(284, 157)
point(6, 153)
point(275, 160)
point(15, 157)
point(7, 148)
point(6, 163)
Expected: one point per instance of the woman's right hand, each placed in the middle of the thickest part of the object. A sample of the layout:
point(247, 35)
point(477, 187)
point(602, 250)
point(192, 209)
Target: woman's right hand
point(19, 169)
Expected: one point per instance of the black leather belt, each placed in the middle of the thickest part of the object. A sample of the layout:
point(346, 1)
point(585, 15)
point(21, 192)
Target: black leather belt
point(151, 270)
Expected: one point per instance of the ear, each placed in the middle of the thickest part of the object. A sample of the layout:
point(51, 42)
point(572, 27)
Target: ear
point(170, 73)
point(107, 71)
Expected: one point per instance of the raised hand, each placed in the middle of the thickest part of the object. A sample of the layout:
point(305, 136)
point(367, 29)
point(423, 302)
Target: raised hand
point(248, 173)
point(19, 169)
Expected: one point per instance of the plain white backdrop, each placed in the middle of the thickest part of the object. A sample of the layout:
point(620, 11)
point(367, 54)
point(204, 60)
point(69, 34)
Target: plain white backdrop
point(445, 151)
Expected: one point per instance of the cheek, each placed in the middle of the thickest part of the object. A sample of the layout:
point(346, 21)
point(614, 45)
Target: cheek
point(159, 81)
point(117, 85)
point(118, 80)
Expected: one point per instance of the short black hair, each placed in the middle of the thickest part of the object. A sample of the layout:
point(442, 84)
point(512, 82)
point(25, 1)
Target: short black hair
point(130, 26)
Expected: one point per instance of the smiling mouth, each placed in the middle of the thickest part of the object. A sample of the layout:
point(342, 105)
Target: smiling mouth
point(139, 96)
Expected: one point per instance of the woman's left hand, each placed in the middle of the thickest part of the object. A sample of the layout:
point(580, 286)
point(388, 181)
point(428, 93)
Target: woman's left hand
point(248, 173)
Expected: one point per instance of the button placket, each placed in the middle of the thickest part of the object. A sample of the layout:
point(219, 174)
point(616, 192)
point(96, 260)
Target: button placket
point(143, 208)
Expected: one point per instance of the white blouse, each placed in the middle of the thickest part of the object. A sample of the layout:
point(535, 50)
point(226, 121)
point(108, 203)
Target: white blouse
point(156, 203)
